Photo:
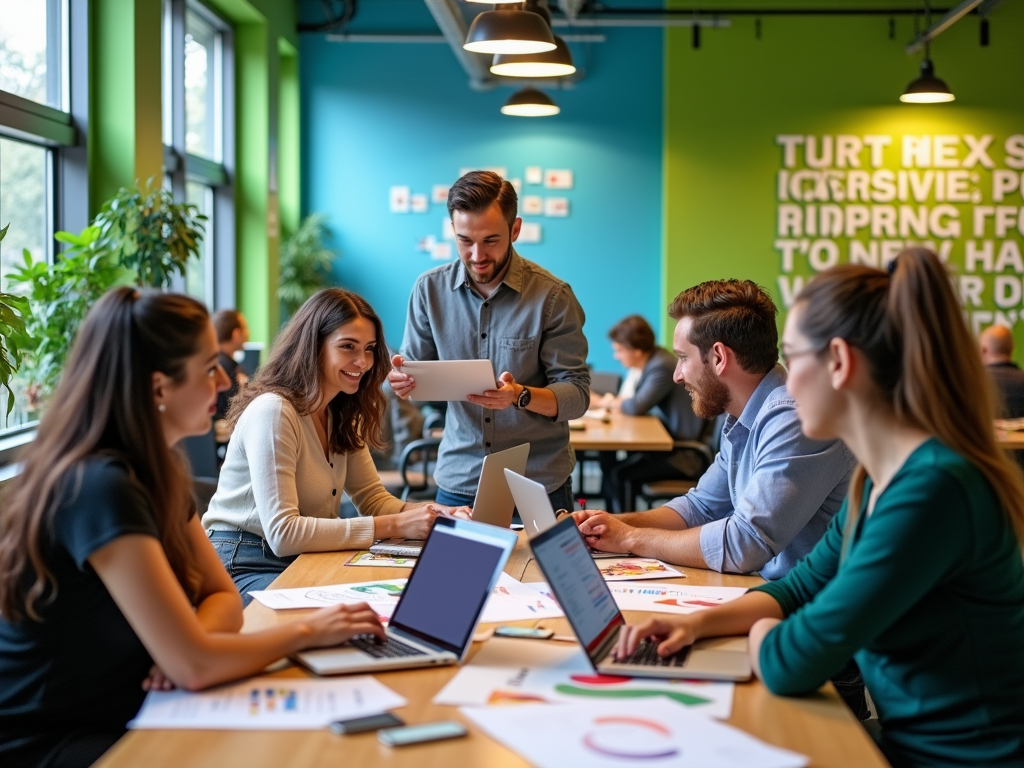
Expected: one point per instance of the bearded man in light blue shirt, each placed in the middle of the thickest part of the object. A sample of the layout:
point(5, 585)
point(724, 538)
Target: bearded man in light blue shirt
point(771, 492)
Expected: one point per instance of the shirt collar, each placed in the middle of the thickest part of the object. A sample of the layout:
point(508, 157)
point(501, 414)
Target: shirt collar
point(513, 275)
point(774, 379)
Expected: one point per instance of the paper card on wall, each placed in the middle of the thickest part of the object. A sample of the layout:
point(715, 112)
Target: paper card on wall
point(426, 244)
point(556, 206)
point(529, 232)
point(517, 185)
point(534, 174)
point(447, 230)
point(558, 179)
point(439, 194)
point(533, 205)
point(399, 199)
point(442, 251)
point(419, 203)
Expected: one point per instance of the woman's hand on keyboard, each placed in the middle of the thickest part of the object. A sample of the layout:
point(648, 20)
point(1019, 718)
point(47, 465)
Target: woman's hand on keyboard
point(339, 623)
point(671, 634)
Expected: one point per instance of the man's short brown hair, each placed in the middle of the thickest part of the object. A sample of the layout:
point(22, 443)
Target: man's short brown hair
point(738, 313)
point(225, 321)
point(633, 332)
point(479, 190)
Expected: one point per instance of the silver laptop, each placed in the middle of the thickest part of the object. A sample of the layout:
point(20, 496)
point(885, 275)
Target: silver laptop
point(435, 618)
point(493, 503)
point(597, 621)
point(535, 509)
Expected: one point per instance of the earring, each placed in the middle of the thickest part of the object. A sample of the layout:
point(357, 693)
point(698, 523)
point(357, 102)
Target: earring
point(161, 407)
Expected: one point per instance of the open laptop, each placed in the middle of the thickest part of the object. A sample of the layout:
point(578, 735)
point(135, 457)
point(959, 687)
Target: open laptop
point(435, 618)
point(493, 503)
point(535, 509)
point(597, 621)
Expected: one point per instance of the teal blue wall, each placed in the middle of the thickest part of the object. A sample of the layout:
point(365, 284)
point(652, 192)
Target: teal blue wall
point(377, 115)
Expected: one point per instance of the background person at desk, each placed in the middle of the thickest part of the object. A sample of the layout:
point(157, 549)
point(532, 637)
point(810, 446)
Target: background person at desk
point(494, 304)
point(996, 347)
point(302, 431)
point(232, 334)
point(649, 387)
point(104, 568)
point(920, 574)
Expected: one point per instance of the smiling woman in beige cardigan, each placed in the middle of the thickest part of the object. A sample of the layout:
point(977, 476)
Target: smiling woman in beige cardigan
point(303, 428)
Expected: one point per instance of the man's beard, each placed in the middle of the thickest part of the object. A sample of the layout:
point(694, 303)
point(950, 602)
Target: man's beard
point(710, 396)
point(499, 267)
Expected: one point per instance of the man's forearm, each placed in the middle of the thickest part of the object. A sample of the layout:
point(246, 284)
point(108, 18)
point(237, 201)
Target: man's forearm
point(543, 401)
point(677, 547)
point(661, 517)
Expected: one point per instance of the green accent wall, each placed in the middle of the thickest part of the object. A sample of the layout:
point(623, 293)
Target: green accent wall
point(124, 144)
point(288, 149)
point(728, 101)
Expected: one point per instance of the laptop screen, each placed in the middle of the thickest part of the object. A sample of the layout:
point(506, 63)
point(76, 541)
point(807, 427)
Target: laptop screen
point(450, 584)
point(573, 575)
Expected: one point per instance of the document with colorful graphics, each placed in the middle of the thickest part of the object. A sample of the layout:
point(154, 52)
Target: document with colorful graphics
point(381, 560)
point(508, 670)
point(671, 598)
point(636, 568)
point(268, 703)
point(614, 734)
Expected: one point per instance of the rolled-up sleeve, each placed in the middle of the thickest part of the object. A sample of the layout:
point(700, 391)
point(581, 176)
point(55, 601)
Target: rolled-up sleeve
point(710, 500)
point(563, 354)
point(792, 476)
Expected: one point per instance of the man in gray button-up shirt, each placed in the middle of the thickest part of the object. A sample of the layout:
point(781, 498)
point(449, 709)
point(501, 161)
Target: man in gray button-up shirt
point(772, 491)
point(494, 304)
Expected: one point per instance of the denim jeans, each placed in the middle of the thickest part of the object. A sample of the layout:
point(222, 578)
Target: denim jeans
point(560, 499)
point(249, 560)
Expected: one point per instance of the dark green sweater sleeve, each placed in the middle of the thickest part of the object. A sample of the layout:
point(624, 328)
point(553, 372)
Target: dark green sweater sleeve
point(918, 532)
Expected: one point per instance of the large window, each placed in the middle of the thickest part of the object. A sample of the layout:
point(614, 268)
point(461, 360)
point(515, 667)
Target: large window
point(37, 139)
point(199, 140)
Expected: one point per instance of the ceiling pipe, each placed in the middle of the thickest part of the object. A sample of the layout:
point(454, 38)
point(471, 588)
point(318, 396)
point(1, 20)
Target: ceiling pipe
point(453, 27)
point(626, 21)
point(437, 39)
point(942, 25)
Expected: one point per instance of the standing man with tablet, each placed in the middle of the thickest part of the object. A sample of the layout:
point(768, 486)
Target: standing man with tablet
point(494, 304)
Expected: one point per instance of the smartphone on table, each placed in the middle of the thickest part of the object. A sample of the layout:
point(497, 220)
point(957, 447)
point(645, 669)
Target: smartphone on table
point(532, 633)
point(368, 723)
point(416, 734)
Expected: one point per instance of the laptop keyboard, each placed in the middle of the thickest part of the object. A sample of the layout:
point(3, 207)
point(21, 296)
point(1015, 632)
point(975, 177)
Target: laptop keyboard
point(389, 649)
point(646, 655)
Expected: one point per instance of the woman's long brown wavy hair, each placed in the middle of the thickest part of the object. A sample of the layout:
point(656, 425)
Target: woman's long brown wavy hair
point(294, 371)
point(104, 406)
point(910, 328)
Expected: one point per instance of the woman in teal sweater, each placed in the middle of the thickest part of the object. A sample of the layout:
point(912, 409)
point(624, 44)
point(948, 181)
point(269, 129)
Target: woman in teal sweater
point(919, 577)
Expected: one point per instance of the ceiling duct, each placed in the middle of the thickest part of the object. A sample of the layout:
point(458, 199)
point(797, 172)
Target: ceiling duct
point(454, 28)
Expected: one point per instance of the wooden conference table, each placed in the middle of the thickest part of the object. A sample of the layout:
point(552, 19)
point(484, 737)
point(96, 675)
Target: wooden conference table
point(819, 726)
point(621, 433)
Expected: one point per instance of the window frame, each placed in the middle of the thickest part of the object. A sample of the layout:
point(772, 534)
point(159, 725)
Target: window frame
point(181, 166)
point(63, 132)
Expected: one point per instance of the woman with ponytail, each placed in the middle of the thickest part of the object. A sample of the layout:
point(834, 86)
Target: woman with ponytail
point(919, 576)
point(108, 584)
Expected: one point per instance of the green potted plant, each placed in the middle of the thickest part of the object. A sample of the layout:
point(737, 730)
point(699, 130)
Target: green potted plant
point(304, 263)
point(13, 337)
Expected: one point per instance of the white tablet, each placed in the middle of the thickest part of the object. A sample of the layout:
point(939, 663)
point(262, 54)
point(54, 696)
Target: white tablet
point(449, 379)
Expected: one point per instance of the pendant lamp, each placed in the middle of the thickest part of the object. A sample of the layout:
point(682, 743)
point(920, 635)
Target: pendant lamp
point(530, 102)
point(509, 31)
point(556, 63)
point(927, 89)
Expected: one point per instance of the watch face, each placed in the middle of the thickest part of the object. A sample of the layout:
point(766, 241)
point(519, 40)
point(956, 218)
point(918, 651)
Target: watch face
point(524, 398)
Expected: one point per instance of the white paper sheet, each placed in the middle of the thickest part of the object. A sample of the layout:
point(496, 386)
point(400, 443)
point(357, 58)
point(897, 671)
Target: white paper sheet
point(268, 703)
point(510, 601)
point(671, 598)
point(613, 734)
point(510, 670)
point(635, 569)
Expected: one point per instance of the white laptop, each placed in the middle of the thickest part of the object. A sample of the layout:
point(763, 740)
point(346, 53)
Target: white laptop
point(535, 509)
point(597, 621)
point(493, 503)
point(435, 618)
point(438, 380)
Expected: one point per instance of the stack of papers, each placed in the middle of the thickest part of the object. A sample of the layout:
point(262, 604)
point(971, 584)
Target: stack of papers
point(635, 569)
point(268, 703)
point(510, 601)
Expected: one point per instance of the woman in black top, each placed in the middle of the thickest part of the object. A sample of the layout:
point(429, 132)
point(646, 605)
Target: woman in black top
point(108, 585)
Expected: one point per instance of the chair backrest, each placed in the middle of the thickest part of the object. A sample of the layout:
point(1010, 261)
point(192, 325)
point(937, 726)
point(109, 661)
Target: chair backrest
point(201, 451)
point(604, 382)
